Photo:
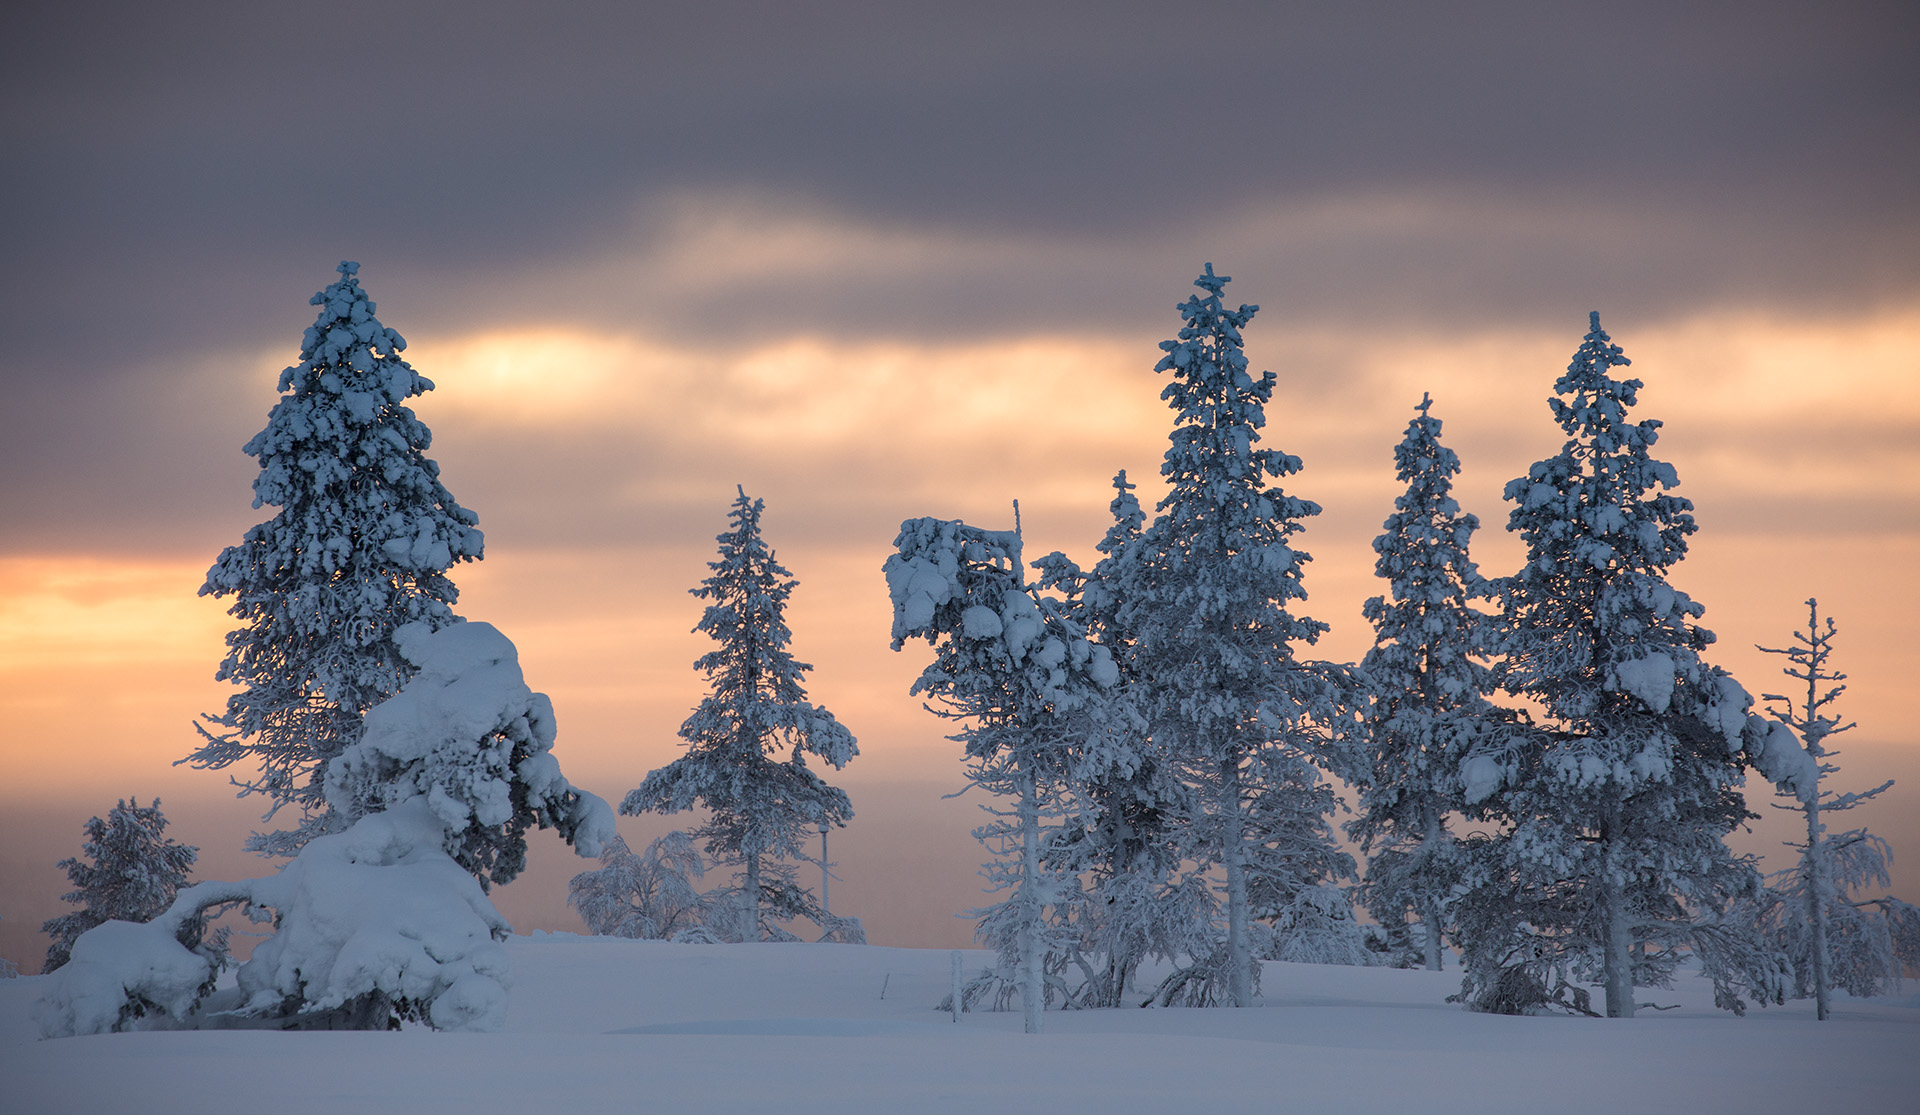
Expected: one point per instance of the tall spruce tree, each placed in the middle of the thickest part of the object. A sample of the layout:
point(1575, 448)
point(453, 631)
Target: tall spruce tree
point(763, 809)
point(1428, 682)
point(131, 872)
point(1614, 857)
point(1221, 686)
point(360, 548)
point(1831, 939)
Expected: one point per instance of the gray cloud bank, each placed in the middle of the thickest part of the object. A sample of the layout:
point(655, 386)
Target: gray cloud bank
point(180, 177)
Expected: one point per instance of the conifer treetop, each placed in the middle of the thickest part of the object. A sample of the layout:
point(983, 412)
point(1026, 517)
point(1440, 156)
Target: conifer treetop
point(1427, 683)
point(360, 547)
point(1602, 529)
point(1216, 567)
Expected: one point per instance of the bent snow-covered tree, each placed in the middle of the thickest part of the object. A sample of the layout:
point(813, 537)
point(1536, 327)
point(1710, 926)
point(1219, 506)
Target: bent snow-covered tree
point(360, 548)
point(762, 808)
point(131, 872)
point(377, 923)
point(1613, 865)
point(1428, 683)
point(1209, 609)
point(1028, 690)
point(1809, 910)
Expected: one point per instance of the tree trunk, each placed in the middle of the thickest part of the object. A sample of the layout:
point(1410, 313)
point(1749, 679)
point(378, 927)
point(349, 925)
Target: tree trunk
point(826, 901)
point(750, 900)
point(1429, 916)
point(1032, 972)
point(1239, 951)
point(1817, 901)
point(1618, 947)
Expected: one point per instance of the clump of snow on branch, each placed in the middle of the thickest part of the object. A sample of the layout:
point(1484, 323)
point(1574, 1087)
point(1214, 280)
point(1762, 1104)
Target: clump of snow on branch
point(469, 737)
point(1776, 752)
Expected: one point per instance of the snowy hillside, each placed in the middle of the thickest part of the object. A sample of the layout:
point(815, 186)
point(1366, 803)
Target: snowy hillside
point(598, 1024)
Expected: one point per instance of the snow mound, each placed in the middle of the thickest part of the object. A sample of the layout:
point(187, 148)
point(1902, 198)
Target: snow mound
point(120, 971)
point(382, 908)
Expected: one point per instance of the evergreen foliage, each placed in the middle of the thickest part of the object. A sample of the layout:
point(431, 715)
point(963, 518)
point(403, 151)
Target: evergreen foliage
point(1613, 864)
point(360, 547)
point(1862, 946)
point(762, 808)
point(1142, 901)
point(1208, 607)
point(1428, 684)
point(1030, 693)
point(131, 872)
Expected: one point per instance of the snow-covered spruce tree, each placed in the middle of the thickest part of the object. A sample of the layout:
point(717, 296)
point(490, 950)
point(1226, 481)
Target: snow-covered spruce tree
point(360, 547)
point(1613, 865)
point(1429, 684)
point(377, 923)
point(1123, 835)
point(1219, 683)
point(1809, 910)
point(469, 737)
point(649, 896)
point(1029, 691)
point(762, 809)
point(131, 872)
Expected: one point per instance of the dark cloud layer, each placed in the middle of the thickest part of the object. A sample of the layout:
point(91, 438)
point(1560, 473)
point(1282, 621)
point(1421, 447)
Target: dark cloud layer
point(179, 169)
point(180, 177)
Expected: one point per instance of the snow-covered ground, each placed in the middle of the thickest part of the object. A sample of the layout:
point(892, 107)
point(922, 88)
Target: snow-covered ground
point(598, 1024)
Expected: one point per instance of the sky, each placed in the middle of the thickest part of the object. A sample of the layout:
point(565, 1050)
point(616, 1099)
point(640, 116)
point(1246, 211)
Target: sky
point(878, 261)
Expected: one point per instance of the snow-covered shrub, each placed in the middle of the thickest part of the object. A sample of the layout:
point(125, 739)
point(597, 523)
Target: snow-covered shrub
point(131, 873)
point(649, 895)
point(1316, 926)
point(381, 909)
point(360, 547)
point(836, 930)
point(377, 916)
point(378, 923)
point(468, 737)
